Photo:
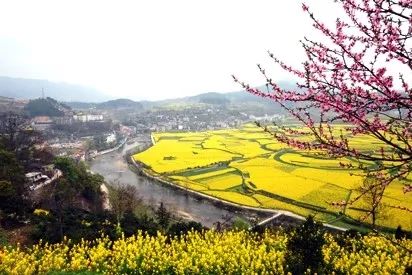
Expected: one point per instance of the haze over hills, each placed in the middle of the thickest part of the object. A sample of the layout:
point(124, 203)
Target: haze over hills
point(234, 100)
point(119, 104)
point(22, 88)
point(80, 97)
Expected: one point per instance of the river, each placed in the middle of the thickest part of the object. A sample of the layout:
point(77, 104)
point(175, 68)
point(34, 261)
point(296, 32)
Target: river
point(113, 167)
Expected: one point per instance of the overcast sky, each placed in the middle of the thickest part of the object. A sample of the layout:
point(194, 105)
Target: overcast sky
point(153, 49)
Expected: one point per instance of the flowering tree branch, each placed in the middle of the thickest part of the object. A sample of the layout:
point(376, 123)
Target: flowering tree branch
point(345, 80)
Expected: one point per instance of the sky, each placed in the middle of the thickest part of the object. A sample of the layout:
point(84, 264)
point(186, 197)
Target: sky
point(154, 49)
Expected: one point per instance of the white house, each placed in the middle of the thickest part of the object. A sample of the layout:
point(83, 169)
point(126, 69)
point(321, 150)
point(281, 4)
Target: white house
point(87, 118)
point(111, 138)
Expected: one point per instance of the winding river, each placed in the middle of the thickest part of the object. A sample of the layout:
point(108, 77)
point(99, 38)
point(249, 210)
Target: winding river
point(114, 167)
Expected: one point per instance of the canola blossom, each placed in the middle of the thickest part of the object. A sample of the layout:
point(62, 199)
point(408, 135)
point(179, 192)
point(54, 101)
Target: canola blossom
point(210, 252)
point(247, 166)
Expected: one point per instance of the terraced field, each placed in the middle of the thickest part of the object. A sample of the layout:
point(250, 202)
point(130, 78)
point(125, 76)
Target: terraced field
point(248, 167)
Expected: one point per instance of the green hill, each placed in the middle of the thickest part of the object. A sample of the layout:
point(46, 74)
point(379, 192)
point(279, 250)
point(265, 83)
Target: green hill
point(45, 107)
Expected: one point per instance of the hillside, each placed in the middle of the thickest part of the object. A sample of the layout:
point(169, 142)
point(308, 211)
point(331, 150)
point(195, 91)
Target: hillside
point(22, 88)
point(211, 98)
point(239, 100)
point(119, 104)
point(46, 107)
point(115, 104)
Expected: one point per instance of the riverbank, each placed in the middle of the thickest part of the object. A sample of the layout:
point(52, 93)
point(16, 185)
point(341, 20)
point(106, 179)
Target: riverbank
point(114, 167)
point(117, 147)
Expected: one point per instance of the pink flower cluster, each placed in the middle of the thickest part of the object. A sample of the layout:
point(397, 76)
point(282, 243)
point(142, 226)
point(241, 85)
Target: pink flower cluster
point(346, 80)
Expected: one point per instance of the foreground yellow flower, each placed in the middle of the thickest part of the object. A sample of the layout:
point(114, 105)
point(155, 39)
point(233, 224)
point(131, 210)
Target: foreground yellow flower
point(207, 252)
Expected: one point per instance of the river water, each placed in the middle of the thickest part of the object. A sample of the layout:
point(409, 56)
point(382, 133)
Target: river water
point(113, 167)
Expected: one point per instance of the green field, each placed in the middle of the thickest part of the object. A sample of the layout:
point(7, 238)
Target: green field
point(248, 166)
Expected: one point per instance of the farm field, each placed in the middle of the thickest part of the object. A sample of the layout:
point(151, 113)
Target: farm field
point(249, 167)
point(210, 252)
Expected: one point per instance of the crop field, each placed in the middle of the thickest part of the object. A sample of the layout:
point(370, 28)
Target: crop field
point(210, 252)
point(249, 167)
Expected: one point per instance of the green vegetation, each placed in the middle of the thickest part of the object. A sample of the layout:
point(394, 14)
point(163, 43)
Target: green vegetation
point(44, 107)
point(304, 248)
point(12, 189)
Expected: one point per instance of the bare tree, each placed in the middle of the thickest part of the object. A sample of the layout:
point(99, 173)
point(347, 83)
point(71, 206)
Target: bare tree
point(16, 137)
point(123, 199)
point(372, 198)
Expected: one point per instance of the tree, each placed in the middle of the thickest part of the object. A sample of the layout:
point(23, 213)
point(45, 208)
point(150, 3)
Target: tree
point(63, 195)
point(43, 107)
point(13, 187)
point(163, 216)
point(10, 124)
point(373, 194)
point(77, 225)
point(81, 180)
point(304, 248)
point(399, 233)
point(15, 138)
point(181, 227)
point(345, 79)
point(123, 199)
point(77, 189)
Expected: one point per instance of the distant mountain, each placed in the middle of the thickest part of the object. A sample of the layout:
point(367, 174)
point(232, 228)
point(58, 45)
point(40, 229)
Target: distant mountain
point(245, 97)
point(78, 97)
point(119, 104)
point(8, 104)
point(241, 101)
point(22, 88)
point(211, 98)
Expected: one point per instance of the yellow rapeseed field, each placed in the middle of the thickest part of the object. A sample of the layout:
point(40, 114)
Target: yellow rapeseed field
point(223, 181)
point(249, 167)
point(212, 174)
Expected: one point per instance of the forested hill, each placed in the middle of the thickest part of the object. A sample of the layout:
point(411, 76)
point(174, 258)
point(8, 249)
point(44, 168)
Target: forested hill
point(46, 107)
point(119, 104)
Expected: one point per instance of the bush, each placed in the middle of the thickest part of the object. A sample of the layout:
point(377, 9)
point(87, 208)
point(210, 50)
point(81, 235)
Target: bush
point(3, 238)
point(181, 228)
point(131, 223)
point(304, 248)
point(74, 223)
point(240, 224)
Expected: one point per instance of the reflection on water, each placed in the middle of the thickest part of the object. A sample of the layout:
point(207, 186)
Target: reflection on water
point(114, 168)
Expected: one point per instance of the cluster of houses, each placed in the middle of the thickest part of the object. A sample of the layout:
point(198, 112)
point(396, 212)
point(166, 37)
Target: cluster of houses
point(188, 119)
point(41, 123)
point(42, 177)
